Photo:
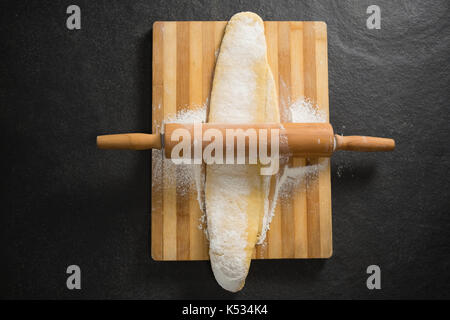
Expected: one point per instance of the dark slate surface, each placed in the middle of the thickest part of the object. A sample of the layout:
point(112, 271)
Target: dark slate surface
point(65, 202)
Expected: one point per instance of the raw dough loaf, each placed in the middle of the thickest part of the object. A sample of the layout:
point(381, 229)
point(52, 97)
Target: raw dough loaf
point(237, 195)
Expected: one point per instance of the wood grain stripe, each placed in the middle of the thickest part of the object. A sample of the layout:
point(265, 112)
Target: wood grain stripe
point(170, 108)
point(157, 101)
point(324, 175)
point(299, 206)
point(284, 72)
point(208, 58)
point(196, 241)
point(296, 50)
point(274, 240)
point(183, 187)
point(312, 187)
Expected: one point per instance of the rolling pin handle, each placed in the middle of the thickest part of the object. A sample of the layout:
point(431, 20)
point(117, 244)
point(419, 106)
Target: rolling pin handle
point(129, 141)
point(361, 143)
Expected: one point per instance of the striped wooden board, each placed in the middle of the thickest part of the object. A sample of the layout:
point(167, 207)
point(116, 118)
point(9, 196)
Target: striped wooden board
point(184, 55)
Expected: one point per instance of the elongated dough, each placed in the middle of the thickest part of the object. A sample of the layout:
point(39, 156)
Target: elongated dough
point(237, 195)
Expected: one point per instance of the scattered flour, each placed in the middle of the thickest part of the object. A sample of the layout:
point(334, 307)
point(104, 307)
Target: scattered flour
point(304, 111)
point(288, 180)
point(183, 177)
point(193, 114)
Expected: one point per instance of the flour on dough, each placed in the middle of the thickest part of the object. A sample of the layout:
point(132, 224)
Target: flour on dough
point(237, 195)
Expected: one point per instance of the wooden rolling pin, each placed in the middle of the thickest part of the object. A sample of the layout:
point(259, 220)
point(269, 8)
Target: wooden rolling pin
point(298, 139)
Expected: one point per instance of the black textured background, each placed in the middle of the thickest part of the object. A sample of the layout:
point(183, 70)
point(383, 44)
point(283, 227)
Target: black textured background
point(65, 202)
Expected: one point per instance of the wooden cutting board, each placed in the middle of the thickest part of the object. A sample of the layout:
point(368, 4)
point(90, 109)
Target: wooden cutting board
point(184, 56)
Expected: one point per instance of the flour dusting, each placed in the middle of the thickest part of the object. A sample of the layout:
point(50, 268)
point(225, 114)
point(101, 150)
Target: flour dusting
point(290, 179)
point(304, 111)
point(182, 176)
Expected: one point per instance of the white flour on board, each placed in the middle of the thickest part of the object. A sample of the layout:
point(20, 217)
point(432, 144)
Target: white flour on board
point(289, 179)
point(183, 176)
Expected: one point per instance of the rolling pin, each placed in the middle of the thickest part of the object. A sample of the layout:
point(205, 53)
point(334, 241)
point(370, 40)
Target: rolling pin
point(297, 139)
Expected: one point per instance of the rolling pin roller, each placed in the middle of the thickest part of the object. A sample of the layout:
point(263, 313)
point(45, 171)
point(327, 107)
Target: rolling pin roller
point(297, 139)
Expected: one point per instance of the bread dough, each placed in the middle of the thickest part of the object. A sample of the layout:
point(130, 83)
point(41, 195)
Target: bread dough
point(237, 195)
